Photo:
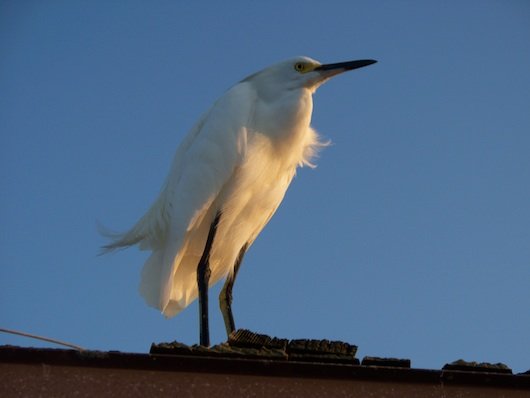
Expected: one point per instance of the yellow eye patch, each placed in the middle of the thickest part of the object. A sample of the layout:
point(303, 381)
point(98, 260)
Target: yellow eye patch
point(304, 67)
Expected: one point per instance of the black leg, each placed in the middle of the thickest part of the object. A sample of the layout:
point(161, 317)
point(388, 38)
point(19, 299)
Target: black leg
point(203, 278)
point(225, 297)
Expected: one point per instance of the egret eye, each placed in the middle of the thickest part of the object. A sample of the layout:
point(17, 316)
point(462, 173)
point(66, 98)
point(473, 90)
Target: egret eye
point(299, 67)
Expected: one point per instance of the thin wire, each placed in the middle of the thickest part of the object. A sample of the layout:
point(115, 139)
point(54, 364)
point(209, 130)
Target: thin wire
point(34, 336)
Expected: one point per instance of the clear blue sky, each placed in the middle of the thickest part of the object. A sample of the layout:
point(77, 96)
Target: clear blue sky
point(411, 238)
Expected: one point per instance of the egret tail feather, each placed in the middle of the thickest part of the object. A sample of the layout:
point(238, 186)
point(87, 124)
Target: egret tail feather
point(149, 232)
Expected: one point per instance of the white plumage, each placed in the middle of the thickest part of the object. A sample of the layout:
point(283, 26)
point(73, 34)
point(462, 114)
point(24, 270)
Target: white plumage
point(237, 161)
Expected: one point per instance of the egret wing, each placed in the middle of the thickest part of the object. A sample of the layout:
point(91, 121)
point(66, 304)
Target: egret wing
point(204, 162)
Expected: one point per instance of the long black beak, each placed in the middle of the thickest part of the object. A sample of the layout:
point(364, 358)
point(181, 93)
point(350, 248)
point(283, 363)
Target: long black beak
point(344, 66)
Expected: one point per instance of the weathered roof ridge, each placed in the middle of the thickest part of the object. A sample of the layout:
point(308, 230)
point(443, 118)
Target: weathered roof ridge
point(376, 369)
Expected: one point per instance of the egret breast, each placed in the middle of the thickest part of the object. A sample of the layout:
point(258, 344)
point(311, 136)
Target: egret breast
point(250, 199)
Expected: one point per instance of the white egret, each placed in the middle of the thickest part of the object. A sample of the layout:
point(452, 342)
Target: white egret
point(227, 179)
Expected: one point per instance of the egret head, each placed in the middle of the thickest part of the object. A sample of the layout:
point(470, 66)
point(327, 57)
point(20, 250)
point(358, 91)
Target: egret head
point(303, 72)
